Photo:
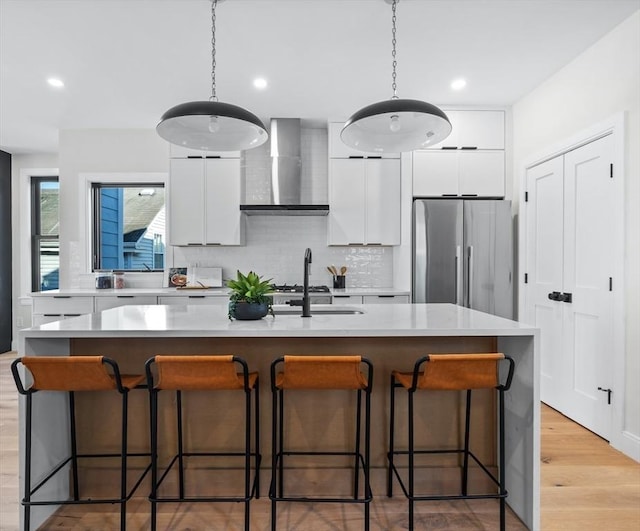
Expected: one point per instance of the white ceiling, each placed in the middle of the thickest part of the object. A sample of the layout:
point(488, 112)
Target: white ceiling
point(125, 62)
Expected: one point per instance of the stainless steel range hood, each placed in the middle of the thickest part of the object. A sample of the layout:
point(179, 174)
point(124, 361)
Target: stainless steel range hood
point(286, 174)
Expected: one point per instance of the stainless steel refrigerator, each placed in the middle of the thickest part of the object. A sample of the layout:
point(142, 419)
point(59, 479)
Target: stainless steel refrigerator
point(463, 254)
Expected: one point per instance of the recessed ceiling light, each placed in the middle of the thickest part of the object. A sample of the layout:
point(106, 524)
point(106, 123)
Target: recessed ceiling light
point(260, 83)
point(458, 84)
point(55, 82)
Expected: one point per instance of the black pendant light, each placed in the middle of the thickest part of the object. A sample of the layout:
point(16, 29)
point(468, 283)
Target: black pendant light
point(395, 125)
point(212, 125)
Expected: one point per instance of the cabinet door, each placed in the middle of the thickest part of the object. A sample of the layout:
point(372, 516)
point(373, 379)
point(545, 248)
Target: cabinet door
point(386, 299)
point(223, 225)
point(104, 303)
point(435, 173)
point(186, 207)
point(347, 201)
point(382, 210)
point(481, 173)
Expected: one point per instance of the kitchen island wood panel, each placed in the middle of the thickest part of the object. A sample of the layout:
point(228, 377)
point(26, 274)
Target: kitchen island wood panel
point(392, 336)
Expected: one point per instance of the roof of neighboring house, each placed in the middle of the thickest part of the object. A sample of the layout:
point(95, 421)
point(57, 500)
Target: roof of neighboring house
point(141, 209)
point(49, 219)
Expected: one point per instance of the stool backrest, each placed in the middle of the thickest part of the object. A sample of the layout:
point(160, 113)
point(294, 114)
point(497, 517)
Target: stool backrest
point(460, 371)
point(321, 372)
point(199, 372)
point(68, 373)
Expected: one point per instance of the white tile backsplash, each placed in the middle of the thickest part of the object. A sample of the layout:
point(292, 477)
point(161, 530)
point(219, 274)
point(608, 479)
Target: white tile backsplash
point(275, 248)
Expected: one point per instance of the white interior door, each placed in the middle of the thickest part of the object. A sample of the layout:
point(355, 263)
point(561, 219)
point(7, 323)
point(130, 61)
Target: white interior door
point(544, 263)
point(588, 266)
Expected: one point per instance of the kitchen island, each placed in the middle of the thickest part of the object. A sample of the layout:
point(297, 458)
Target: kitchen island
point(391, 336)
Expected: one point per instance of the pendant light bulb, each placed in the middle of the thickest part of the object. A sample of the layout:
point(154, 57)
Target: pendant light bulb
point(395, 124)
point(214, 125)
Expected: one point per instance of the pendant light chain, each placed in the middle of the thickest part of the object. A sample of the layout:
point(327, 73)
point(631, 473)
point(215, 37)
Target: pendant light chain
point(393, 53)
point(214, 96)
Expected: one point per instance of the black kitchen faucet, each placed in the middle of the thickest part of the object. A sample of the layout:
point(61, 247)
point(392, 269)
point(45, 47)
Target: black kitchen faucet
point(306, 301)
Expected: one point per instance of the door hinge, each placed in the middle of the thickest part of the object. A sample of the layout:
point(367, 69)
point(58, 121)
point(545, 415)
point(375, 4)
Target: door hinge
point(526, 278)
point(611, 171)
point(610, 284)
point(526, 197)
point(608, 391)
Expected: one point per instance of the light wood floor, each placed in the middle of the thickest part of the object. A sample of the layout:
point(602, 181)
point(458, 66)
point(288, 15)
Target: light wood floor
point(586, 486)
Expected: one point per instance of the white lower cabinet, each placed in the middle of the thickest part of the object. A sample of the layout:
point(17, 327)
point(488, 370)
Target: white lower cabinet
point(458, 173)
point(364, 201)
point(385, 299)
point(57, 307)
point(191, 300)
point(347, 299)
point(104, 303)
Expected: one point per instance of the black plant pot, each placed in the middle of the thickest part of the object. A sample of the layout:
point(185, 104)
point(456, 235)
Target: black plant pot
point(248, 311)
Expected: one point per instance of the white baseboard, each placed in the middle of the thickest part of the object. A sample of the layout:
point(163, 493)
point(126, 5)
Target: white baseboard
point(628, 444)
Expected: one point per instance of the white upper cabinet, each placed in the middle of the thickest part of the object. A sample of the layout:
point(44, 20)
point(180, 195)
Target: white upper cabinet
point(474, 130)
point(339, 150)
point(458, 173)
point(364, 199)
point(180, 152)
point(204, 202)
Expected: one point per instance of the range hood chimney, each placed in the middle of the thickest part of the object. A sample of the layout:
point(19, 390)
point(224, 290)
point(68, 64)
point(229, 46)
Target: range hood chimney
point(286, 174)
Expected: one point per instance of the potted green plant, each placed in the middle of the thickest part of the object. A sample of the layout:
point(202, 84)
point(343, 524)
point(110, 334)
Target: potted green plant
point(249, 298)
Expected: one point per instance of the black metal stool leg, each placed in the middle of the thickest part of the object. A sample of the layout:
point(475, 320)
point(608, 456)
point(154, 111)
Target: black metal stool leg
point(27, 464)
point(273, 487)
point(258, 458)
point(180, 444)
point(411, 448)
point(465, 466)
point(281, 445)
point(123, 470)
point(356, 467)
point(247, 458)
point(502, 473)
point(390, 456)
point(74, 446)
point(154, 456)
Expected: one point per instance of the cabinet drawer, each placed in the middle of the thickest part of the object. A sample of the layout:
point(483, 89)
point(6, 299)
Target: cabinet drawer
point(104, 303)
point(192, 300)
point(39, 319)
point(61, 304)
point(386, 299)
point(351, 299)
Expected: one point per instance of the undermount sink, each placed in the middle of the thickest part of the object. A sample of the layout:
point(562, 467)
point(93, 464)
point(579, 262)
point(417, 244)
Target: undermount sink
point(320, 309)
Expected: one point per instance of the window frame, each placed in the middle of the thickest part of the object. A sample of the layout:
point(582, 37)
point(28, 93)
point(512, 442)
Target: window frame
point(95, 188)
point(35, 182)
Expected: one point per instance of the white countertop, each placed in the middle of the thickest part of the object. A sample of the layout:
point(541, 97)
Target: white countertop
point(211, 292)
point(212, 321)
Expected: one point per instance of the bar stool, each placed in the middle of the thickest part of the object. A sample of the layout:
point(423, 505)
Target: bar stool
point(72, 374)
point(202, 373)
point(453, 372)
point(320, 373)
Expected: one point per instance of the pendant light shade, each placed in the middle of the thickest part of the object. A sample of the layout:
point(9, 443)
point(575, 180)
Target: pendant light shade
point(212, 125)
point(395, 125)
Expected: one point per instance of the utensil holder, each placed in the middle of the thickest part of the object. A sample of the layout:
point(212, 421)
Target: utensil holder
point(339, 281)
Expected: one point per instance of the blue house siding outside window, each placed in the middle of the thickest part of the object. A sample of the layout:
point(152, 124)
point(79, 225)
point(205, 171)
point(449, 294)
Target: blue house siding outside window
point(111, 227)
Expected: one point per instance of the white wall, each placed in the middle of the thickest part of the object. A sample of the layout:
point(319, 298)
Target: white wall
point(602, 81)
point(23, 167)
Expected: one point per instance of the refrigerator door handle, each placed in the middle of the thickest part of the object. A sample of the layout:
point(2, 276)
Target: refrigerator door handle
point(457, 276)
point(470, 278)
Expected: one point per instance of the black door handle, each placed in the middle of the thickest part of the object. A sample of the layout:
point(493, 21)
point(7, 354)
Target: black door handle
point(565, 297)
point(555, 295)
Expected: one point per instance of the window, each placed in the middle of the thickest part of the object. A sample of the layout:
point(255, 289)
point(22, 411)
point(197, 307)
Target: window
point(45, 245)
point(128, 227)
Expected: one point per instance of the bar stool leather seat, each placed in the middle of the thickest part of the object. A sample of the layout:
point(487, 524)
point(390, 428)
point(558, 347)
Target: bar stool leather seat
point(203, 373)
point(73, 374)
point(322, 373)
point(450, 372)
